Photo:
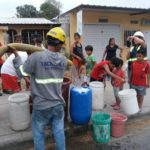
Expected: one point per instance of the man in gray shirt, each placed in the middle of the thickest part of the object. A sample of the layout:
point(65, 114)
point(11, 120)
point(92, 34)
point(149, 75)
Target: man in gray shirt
point(46, 70)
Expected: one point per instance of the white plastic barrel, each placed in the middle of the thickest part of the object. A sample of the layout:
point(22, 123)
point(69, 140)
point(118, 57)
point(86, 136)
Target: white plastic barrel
point(129, 102)
point(19, 114)
point(97, 95)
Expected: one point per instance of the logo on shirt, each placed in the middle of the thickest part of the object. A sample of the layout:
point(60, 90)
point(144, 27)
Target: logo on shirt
point(49, 65)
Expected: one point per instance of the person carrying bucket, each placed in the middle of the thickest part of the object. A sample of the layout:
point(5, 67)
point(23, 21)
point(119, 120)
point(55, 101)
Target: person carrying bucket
point(140, 76)
point(103, 68)
point(135, 43)
point(117, 84)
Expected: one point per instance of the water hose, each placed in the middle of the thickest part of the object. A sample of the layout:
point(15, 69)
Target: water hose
point(24, 47)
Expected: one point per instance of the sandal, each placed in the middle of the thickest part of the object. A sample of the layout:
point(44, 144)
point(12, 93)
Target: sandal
point(117, 107)
point(113, 105)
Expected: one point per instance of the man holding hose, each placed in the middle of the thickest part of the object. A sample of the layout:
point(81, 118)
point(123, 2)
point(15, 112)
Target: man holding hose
point(46, 70)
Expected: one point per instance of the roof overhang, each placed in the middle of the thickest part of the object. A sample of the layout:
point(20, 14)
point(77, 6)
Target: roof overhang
point(26, 21)
point(5, 28)
point(140, 13)
point(4, 24)
point(110, 9)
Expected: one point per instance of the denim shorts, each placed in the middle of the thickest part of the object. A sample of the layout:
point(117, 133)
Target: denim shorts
point(140, 90)
point(116, 91)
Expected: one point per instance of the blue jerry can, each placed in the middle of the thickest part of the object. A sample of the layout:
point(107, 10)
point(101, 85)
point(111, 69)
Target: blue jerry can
point(80, 105)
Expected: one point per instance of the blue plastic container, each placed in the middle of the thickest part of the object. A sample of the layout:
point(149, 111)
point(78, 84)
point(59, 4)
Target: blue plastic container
point(80, 105)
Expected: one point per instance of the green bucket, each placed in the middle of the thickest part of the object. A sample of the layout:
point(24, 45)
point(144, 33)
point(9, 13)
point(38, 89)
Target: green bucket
point(101, 127)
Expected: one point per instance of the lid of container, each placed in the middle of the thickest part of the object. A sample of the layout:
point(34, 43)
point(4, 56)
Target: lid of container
point(18, 98)
point(96, 84)
point(80, 89)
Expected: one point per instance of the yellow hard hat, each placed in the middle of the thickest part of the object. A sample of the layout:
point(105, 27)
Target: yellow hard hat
point(57, 33)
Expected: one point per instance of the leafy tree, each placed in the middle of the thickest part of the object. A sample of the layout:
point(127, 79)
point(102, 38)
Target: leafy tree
point(27, 11)
point(50, 9)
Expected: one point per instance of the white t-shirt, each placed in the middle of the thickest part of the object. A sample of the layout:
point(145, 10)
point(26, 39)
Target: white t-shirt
point(8, 67)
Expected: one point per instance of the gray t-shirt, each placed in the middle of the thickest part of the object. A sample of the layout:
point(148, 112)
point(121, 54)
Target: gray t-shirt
point(46, 70)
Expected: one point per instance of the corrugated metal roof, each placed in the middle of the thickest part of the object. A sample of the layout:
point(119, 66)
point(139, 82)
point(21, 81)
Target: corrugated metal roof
point(112, 7)
point(100, 7)
point(26, 21)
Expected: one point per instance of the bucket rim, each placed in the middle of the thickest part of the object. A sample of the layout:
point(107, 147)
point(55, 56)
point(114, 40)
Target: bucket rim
point(122, 94)
point(24, 99)
point(120, 115)
point(96, 84)
point(96, 114)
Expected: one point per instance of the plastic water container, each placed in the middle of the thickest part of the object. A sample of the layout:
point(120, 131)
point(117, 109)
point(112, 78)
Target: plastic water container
point(117, 124)
point(97, 95)
point(80, 105)
point(129, 102)
point(101, 127)
point(19, 113)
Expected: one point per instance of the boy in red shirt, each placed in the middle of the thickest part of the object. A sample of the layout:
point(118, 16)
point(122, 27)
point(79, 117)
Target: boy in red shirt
point(103, 68)
point(117, 84)
point(140, 76)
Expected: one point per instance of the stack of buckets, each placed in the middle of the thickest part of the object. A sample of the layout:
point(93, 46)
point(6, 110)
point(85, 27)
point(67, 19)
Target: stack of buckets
point(100, 121)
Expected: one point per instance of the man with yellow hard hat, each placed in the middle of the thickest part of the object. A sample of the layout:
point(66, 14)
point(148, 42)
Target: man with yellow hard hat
point(46, 69)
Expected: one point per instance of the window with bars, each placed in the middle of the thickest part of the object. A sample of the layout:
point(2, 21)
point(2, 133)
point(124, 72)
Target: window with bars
point(27, 35)
point(11, 35)
point(128, 33)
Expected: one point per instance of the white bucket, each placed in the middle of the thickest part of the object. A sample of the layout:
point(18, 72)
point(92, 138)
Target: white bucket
point(129, 102)
point(97, 95)
point(19, 113)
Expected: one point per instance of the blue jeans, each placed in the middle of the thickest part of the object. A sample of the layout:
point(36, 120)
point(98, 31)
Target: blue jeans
point(54, 117)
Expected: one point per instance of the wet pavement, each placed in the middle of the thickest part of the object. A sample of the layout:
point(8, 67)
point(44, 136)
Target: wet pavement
point(136, 137)
point(84, 142)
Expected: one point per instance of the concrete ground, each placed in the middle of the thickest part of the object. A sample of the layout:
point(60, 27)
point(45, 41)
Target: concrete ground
point(136, 137)
point(8, 136)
